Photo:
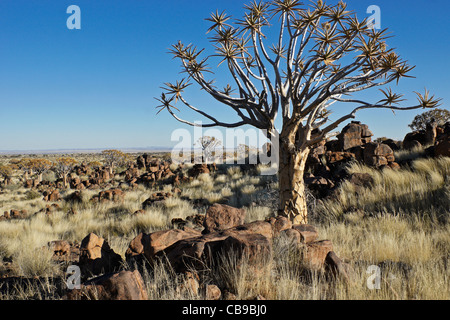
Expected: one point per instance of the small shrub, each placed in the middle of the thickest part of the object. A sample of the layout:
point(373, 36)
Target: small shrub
point(32, 194)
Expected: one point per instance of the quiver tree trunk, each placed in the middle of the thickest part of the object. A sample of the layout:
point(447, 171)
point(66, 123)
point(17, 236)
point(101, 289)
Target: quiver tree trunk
point(65, 180)
point(291, 184)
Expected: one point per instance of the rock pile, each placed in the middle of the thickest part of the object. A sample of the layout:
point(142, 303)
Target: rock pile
point(188, 251)
point(115, 195)
point(326, 161)
point(14, 214)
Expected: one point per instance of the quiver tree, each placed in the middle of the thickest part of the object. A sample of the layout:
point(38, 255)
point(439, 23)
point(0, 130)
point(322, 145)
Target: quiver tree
point(6, 172)
point(322, 56)
point(63, 166)
point(40, 166)
point(25, 165)
point(113, 157)
point(208, 145)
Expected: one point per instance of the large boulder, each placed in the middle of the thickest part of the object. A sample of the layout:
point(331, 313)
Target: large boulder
point(378, 154)
point(52, 196)
point(221, 217)
point(315, 253)
point(111, 195)
point(123, 285)
point(353, 135)
point(97, 257)
point(442, 147)
point(308, 233)
point(145, 247)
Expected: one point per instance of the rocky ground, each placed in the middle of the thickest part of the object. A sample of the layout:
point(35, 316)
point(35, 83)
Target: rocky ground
point(194, 246)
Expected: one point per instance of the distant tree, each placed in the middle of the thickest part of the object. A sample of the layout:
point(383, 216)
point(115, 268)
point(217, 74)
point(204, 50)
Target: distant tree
point(321, 56)
point(25, 164)
point(208, 145)
point(94, 164)
point(40, 166)
point(113, 157)
point(63, 166)
point(6, 172)
point(440, 116)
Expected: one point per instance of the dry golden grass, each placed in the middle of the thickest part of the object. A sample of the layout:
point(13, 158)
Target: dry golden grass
point(402, 219)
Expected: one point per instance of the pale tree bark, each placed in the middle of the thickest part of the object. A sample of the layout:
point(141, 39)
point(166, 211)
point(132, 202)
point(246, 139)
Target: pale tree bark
point(292, 202)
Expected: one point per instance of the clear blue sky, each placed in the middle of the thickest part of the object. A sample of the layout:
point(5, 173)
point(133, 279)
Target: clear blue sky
point(95, 87)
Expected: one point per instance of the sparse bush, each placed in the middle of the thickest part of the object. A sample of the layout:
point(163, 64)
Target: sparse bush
point(32, 194)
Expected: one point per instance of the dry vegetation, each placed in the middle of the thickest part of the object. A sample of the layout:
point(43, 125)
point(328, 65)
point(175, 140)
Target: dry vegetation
point(400, 223)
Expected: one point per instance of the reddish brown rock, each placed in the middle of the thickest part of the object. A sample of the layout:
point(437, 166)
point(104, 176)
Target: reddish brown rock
point(221, 217)
point(353, 135)
point(314, 253)
point(149, 245)
point(279, 224)
point(212, 292)
point(96, 256)
point(52, 196)
point(307, 232)
point(378, 154)
point(59, 247)
point(336, 268)
point(254, 248)
point(123, 285)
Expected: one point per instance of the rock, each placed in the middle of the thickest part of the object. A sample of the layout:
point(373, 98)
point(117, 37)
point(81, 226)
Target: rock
point(142, 161)
point(314, 253)
point(378, 154)
point(123, 285)
point(140, 211)
point(292, 235)
point(339, 156)
point(110, 195)
point(335, 267)
point(254, 248)
point(227, 295)
point(156, 198)
point(212, 292)
point(279, 224)
point(59, 247)
point(96, 256)
point(442, 147)
point(221, 217)
point(393, 144)
point(308, 233)
point(52, 196)
point(353, 135)
point(185, 254)
point(75, 197)
point(412, 144)
point(415, 139)
point(16, 214)
point(241, 242)
point(198, 169)
point(256, 227)
point(361, 179)
point(149, 245)
point(197, 220)
point(320, 185)
point(394, 165)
